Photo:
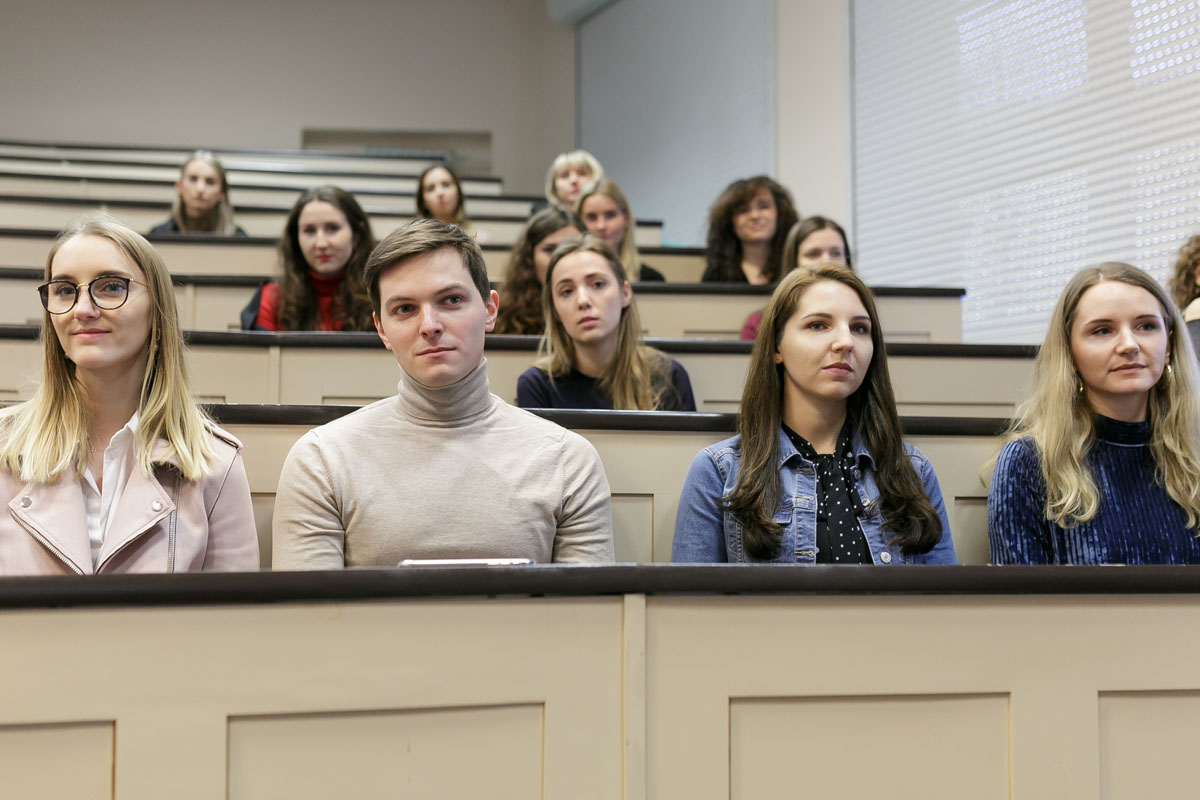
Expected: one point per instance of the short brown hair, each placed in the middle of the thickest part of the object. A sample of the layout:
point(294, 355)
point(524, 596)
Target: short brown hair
point(417, 238)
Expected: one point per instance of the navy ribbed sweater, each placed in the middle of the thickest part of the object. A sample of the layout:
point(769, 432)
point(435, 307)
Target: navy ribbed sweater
point(1137, 522)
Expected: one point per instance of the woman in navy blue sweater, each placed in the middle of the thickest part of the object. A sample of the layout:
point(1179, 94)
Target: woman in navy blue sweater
point(1102, 463)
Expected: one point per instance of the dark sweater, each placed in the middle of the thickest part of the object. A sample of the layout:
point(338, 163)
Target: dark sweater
point(577, 390)
point(1137, 522)
point(171, 226)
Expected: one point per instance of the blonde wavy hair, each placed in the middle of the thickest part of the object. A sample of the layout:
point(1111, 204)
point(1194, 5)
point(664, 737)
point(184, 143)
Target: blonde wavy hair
point(639, 377)
point(1183, 283)
point(48, 435)
point(1061, 424)
point(628, 255)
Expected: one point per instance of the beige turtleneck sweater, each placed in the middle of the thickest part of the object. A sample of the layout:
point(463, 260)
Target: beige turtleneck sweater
point(453, 472)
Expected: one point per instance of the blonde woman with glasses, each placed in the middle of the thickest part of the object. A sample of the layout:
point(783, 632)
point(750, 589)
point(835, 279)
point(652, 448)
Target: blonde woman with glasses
point(111, 467)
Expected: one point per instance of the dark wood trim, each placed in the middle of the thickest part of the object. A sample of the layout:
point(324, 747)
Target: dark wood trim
point(223, 589)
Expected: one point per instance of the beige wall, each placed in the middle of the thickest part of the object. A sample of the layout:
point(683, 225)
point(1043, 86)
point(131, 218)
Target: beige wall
point(813, 106)
point(237, 74)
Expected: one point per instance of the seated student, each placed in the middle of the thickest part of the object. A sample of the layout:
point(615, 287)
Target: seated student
point(323, 250)
point(111, 467)
point(569, 174)
point(521, 292)
point(440, 196)
point(592, 356)
point(444, 469)
point(1185, 284)
point(605, 212)
point(201, 199)
point(818, 472)
point(812, 241)
point(1101, 463)
point(746, 229)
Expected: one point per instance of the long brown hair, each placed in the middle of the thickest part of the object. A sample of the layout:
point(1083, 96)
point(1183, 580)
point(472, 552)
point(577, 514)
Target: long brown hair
point(723, 255)
point(1183, 283)
point(298, 309)
point(521, 292)
point(906, 510)
point(638, 377)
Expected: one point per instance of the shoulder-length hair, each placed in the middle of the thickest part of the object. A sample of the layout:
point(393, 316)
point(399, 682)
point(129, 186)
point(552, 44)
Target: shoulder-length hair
point(1061, 424)
point(460, 212)
point(298, 307)
point(50, 434)
point(220, 219)
point(801, 231)
point(906, 510)
point(521, 292)
point(723, 254)
point(628, 252)
point(573, 158)
point(638, 377)
point(1183, 283)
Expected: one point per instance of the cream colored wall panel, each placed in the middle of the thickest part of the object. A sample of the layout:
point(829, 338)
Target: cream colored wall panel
point(932, 319)
point(633, 526)
point(677, 267)
point(983, 387)
point(493, 752)
point(887, 746)
point(1147, 744)
point(72, 759)
point(22, 362)
point(717, 379)
point(171, 684)
point(233, 374)
point(19, 304)
point(956, 460)
point(264, 508)
point(697, 316)
point(338, 376)
point(314, 160)
point(216, 308)
point(969, 525)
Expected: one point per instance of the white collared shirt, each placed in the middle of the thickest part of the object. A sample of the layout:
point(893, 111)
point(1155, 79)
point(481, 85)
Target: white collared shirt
point(100, 505)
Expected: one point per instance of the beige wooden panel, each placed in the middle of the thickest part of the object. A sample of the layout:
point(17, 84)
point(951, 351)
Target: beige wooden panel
point(174, 677)
point(957, 461)
point(19, 304)
point(70, 759)
point(921, 319)
point(337, 376)
point(174, 158)
point(1051, 656)
point(633, 516)
point(163, 192)
point(870, 746)
point(414, 753)
point(676, 267)
point(22, 360)
point(212, 308)
point(697, 316)
point(1147, 744)
point(234, 374)
point(237, 177)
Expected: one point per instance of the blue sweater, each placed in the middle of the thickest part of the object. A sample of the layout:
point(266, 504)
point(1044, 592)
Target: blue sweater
point(1137, 522)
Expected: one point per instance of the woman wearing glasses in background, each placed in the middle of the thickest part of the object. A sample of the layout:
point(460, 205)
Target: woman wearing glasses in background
point(111, 467)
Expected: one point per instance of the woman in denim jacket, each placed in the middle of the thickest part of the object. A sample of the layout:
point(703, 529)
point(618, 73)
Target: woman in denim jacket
point(818, 472)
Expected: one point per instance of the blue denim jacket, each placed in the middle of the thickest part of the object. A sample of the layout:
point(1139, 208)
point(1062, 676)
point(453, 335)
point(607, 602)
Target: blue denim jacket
point(705, 533)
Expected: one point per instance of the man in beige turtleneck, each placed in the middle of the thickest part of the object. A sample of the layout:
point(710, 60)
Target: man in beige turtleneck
point(444, 469)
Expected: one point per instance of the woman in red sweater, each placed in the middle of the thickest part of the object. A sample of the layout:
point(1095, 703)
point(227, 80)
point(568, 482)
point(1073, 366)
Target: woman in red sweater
point(323, 249)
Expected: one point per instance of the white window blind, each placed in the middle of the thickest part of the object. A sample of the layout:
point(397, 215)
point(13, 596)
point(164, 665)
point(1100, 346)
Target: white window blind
point(1002, 146)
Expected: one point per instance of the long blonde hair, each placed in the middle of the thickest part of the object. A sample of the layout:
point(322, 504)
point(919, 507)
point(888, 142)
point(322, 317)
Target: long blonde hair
point(48, 435)
point(628, 255)
point(220, 219)
point(1062, 426)
point(639, 377)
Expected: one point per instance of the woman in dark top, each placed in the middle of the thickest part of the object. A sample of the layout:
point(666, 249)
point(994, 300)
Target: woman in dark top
point(593, 356)
point(747, 227)
point(521, 292)
point(605, 211)
point(201, 199)
point(1101, 465)
point(323, 250)
point(818, 472)
point(440, 196)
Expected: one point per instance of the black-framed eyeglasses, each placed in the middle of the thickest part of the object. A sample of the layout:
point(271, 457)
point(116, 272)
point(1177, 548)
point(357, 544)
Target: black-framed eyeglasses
point(108, 292)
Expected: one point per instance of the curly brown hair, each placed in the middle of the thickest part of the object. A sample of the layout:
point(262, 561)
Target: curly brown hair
point(723, 259)
point(521, 292)
point(298, 306)
point(1182, 285)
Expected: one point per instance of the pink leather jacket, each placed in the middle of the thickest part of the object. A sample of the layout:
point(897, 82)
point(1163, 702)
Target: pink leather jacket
point(161, 524)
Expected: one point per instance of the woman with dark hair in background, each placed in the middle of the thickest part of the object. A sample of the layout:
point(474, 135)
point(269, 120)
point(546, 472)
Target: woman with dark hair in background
point(521, 292)
point(201, 199)
point(818, 421)
point(323, 250)
point(747, 226)
point(593, 356)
